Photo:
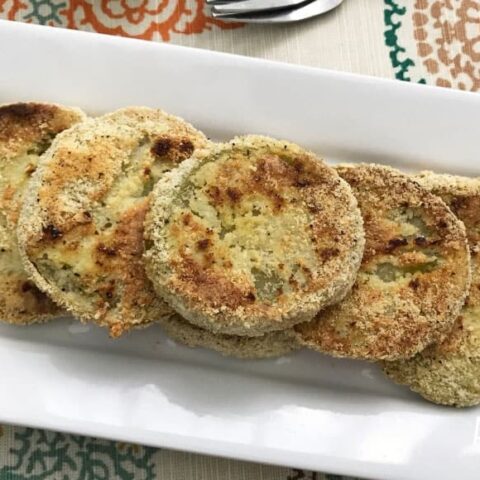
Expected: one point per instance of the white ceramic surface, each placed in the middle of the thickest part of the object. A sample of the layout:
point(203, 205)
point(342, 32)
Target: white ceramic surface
point(304, 410)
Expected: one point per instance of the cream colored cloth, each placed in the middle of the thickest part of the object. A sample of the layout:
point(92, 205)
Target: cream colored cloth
point(350, 39)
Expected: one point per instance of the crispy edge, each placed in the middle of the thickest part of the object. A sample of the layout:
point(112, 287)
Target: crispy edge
point(339, 349)
point(27, 228)
point(220, 321)
point(270, 345)
point(447, 373)
point(21, 125)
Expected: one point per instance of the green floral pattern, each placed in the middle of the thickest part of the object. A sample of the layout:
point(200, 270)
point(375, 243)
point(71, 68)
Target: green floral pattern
point(31, 454)
point(42, 455)
point(402, 63)
point(45, 12)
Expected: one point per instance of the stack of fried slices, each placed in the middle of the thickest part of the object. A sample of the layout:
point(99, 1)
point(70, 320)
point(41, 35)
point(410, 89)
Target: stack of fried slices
point(253, 248)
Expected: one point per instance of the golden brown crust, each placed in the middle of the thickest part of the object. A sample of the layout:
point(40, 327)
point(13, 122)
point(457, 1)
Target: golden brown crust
point(270, 345)
point(448, 373)
point(414, 275)
point(252, 237)
point(26, 131)
point(31, 126)
point(81, 229)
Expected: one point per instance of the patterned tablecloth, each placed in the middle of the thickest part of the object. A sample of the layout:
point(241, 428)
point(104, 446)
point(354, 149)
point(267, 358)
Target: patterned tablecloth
point(425, 41)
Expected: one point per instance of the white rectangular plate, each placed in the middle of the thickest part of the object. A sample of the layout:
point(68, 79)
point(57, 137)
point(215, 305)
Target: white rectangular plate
point(304, 410)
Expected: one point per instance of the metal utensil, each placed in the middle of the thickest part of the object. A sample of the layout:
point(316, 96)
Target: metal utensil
point(252, 6)
point(302, 11)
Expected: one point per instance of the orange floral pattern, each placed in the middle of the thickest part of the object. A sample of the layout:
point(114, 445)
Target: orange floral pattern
point(435, 41)
point(145, 19)
point(447, 33)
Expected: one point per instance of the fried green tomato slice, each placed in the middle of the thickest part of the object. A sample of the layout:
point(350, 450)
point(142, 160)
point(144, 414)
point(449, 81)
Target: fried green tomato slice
point(254, 237)
point(26, 132)
point(448, 373)
point(81, 228)
point(414, 276)
point(269, 345)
